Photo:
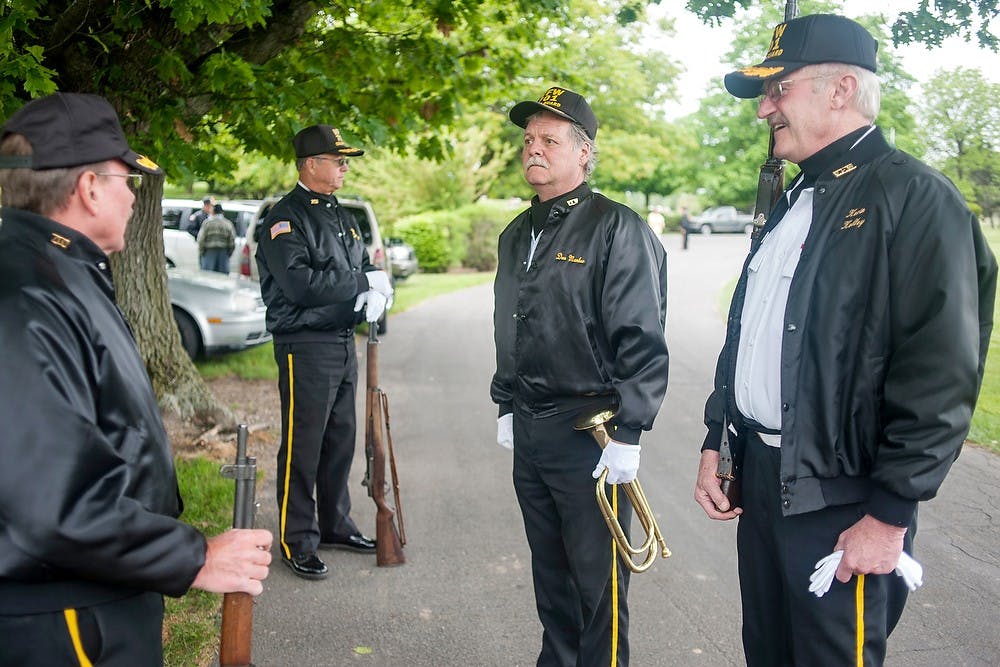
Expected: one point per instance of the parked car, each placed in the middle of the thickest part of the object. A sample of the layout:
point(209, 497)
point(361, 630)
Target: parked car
point(215, 312)
point(723, 219)
point(403, 258)
point(363, 214)
point(180, 249)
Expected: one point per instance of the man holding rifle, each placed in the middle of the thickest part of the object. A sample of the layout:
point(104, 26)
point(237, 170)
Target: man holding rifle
point(89, 535)
point(854, 353)
point(315, 277)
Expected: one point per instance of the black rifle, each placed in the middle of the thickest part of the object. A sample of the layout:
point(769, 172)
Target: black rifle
point(237, 608)
point(771, 181)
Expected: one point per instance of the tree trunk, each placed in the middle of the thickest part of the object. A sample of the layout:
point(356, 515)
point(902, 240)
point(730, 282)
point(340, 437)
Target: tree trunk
point(141, 287)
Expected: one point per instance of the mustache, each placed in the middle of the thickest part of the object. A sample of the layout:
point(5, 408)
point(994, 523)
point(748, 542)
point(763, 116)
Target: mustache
point(535, 161)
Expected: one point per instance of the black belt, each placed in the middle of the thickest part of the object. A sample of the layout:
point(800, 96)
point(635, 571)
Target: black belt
point(759, 428)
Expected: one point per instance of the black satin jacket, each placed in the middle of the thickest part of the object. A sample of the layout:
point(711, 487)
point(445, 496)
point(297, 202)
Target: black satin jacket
point(587, 318)
point(88, 494)
point(887, 326)
point(312, 262)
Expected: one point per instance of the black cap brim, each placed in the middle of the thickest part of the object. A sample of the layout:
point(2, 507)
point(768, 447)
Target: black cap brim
point(748, 82)
point(521, 111)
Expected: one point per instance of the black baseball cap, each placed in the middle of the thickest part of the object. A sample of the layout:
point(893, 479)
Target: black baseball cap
point(68, 130)
point(807, 40)
point(319, 139)
point(561, 102)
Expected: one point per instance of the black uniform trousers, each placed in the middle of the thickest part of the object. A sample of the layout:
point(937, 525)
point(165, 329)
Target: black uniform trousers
point(120, 633)
point(783, 623)
point(317, 383)
point(581, 585)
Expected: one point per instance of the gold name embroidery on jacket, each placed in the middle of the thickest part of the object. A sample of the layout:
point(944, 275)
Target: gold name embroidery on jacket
point(843, 171)
point(854, 218)
point(355, 234)
point(59, 240)
point(572, 259)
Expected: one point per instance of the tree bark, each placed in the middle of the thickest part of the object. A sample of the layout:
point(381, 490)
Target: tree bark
point(141, 287)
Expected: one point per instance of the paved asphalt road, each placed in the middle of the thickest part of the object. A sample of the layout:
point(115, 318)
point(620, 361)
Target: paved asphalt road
point(464, 597)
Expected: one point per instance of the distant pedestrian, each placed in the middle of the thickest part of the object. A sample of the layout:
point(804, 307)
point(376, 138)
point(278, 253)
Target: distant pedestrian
point(685, 227)
point(216, 242)
point(197, 218)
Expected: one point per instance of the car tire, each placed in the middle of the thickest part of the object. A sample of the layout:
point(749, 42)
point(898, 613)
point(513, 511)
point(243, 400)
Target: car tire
point(705, 229)
point(190, 336)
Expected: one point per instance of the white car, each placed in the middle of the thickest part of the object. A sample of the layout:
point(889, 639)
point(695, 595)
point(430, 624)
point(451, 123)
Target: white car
point(215, 312)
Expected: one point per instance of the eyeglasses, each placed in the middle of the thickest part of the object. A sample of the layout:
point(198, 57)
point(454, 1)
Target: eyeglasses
point(134, 180)
point(340, 161)
point(775, 90)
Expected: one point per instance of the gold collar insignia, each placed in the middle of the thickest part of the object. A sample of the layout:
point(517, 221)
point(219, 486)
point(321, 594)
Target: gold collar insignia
point(843, 171)
point(59, 240)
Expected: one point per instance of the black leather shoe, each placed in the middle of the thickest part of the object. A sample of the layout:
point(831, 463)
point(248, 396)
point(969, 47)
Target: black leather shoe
point(356, 542)
point(307, 566)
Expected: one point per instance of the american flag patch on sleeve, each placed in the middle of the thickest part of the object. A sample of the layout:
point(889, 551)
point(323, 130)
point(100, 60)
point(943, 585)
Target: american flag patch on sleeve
point(282, 227)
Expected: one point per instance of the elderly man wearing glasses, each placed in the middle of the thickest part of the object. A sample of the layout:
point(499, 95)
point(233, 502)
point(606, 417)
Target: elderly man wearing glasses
point(89, 502)
point(315, 277)
point(853, 358)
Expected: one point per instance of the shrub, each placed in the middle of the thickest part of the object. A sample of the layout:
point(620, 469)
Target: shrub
point(465, 236)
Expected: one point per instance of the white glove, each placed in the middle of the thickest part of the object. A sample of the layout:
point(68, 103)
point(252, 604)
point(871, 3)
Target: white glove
point(376, 306)
point(621, 461)
point(360, 302)
point(907, 568)
point(505, 431)
point(379, 281)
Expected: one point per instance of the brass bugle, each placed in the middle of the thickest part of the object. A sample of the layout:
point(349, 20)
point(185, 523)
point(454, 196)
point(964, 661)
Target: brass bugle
point(597, 425)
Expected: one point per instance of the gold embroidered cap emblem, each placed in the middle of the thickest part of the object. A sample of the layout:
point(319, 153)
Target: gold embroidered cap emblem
point(59, 240)
point(550, 97)
point(144, 161)
point(761, 72)
point(846, 169)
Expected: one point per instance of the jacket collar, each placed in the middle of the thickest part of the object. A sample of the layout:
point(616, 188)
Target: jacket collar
point(40, 231)
point(557, 208)
point(845, 154)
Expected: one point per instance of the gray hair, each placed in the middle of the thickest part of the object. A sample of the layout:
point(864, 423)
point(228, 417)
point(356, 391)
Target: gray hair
point(579, 137)
point(41, 191)
point(868, 98)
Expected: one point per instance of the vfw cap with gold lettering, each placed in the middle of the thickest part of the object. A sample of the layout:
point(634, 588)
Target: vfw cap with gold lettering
point(807, 40)
point(561, 102)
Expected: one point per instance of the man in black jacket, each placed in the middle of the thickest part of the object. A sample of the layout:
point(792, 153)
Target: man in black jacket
point(581, 293)
point(315, 277)
point(89, 535)
point(854, 354)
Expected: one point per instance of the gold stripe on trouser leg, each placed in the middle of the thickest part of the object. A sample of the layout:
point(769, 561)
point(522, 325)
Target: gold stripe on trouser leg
point(288, 455)
point(614, 584)
point(74, 635)
point(859, 607)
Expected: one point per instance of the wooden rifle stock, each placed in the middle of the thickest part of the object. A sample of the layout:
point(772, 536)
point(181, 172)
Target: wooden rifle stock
point(236, 639)
point(388, 541)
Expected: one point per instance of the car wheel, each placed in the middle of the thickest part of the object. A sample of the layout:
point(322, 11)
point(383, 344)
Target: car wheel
point(705, 229)
point(190, 336)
